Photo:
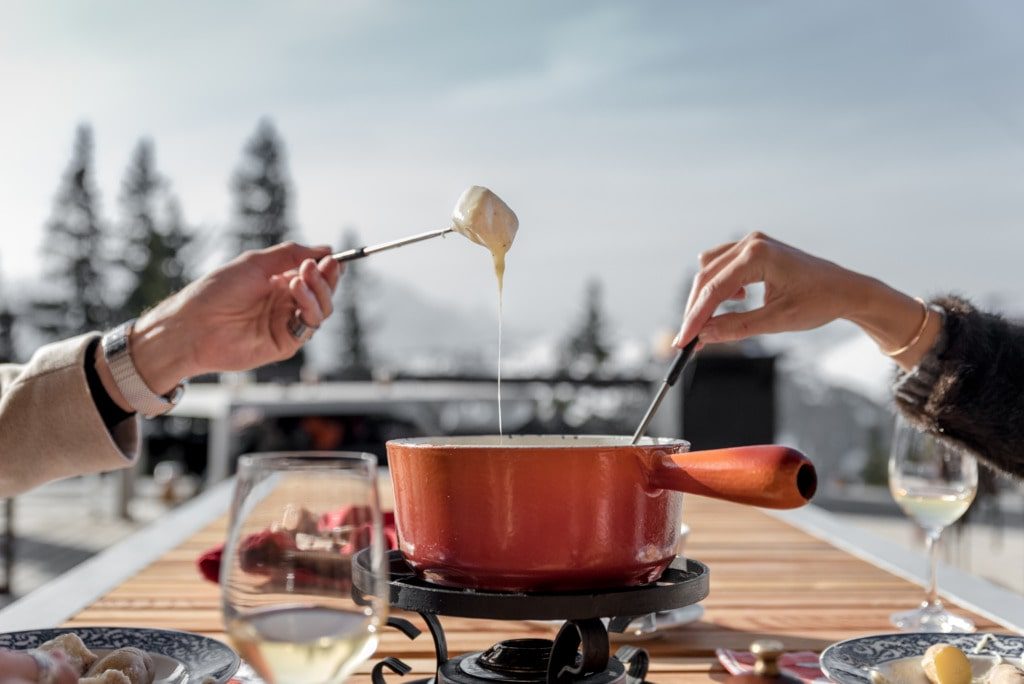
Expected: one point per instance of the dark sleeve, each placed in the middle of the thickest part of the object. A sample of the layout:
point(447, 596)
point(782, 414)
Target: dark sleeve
point(110, 412)
point(970, 386)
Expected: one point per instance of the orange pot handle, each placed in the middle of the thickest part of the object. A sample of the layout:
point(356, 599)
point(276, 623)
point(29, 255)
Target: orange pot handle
point(769, 476)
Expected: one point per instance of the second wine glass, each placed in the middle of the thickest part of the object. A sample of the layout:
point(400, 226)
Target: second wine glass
point(298, 522)
point(934, 482)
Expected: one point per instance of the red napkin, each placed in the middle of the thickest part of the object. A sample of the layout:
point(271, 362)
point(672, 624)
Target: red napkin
point(260, 551)
point(802, 664)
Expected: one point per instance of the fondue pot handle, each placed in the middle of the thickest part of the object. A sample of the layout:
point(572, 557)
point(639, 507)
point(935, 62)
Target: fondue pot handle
point(769, 476)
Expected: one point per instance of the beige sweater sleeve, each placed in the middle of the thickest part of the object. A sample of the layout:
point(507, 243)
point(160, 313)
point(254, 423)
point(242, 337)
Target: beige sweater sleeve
point(49, 425)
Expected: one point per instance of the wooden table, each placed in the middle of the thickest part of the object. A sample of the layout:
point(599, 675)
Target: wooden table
point(767, 579)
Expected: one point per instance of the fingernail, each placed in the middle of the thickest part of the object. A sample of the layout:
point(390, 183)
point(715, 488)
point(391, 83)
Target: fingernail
point(684, 332)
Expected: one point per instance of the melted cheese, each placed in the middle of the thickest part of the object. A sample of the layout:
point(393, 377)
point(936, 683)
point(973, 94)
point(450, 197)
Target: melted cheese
point(485, 219)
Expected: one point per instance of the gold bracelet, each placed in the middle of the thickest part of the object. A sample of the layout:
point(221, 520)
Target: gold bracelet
point(914, 340)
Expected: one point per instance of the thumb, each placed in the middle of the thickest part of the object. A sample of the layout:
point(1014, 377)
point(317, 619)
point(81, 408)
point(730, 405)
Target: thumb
point(730, 327)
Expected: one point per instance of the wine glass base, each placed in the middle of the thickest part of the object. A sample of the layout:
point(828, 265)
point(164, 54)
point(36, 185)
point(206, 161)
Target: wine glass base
point(931, 618)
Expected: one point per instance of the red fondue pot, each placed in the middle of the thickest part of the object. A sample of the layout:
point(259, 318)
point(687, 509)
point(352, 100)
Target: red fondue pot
point(545, 513)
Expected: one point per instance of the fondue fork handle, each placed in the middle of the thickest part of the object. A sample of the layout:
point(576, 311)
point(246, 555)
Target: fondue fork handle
point(360, 252)
point(674, 371)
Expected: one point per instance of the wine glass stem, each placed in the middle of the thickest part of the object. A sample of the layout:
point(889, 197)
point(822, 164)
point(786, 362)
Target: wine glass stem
point(932, 544)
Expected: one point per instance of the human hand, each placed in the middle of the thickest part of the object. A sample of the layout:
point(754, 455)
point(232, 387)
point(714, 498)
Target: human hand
point(236, 317)
point(18, 667)
point(801, 292)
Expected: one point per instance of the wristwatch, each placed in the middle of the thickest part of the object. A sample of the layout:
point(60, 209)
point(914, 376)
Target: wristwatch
point(135, 390)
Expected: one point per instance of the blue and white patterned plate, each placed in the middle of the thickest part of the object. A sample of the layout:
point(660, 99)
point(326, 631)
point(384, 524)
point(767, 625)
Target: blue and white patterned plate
point(186, 657)
point(851, 661)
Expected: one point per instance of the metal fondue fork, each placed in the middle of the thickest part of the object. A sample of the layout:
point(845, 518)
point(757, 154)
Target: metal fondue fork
point(297, 327)
point(674, 371)
point(360, 252)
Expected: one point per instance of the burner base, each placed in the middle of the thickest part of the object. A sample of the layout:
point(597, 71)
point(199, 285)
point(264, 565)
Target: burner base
point(578, 655)
point(467, 669)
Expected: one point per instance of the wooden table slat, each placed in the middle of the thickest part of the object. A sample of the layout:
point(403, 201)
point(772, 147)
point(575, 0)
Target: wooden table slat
point(767, 579)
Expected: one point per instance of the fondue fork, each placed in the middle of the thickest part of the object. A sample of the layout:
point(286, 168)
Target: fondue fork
point(360, 252)
point(298, 329)
point(674, 371)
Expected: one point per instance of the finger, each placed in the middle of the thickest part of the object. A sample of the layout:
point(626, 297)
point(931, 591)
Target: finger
point(739, 272)
point(285, 256)
point(331, 270)
point(318, 285)
point(713, 267)
point(17, 665)
point(714, 260)
point(740, 294)
point(730, 327)
point(324, 265)
point(707, 257)
point(305, 301)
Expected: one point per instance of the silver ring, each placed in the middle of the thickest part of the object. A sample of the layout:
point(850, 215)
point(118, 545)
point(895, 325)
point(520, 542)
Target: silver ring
point(46, 665)
point(300, 330)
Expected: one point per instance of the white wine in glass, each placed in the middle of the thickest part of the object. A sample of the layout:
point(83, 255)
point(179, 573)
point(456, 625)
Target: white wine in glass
point(934, 483)
point(298, 521)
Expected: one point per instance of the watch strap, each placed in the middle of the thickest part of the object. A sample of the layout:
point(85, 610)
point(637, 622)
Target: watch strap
point(136, 392)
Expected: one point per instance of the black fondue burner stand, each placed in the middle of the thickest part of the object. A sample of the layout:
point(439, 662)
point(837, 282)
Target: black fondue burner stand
point(580, 652)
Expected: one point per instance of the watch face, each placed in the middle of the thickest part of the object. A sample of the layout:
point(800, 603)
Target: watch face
point(115, 342)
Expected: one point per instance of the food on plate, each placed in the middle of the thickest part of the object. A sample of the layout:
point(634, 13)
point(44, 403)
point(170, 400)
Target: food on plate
point(296, 520)
point(946, 664)
point(108, 677)
point(1006, 673)
point(485, 219)
point(76, 653)
point(878, 678)
point(127, 665)
point(135, 663)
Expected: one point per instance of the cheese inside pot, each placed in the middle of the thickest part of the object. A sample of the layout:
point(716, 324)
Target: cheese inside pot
point(946, 664)
point(485, 219)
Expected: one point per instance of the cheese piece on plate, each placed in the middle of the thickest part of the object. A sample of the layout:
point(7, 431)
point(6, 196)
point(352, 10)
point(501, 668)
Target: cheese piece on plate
point(77, 654)
point(1005, 673)
point(946, 664)
point(133, 662)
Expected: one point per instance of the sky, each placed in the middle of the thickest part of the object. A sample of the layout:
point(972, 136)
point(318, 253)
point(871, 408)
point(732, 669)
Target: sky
point(628, 137)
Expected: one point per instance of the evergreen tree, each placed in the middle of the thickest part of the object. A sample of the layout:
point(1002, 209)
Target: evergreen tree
point(155, 240)
point(261, 192)
point(355, 361)
point(74, 251)
point(7, 320)
point(178, 237)
point(587, 348)
point(8, 353)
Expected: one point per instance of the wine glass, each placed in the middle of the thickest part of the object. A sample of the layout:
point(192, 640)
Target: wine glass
point(934, 482)
point(298, 521)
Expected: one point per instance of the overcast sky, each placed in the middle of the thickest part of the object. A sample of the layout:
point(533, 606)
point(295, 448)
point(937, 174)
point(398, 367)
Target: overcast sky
point(627, 136)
